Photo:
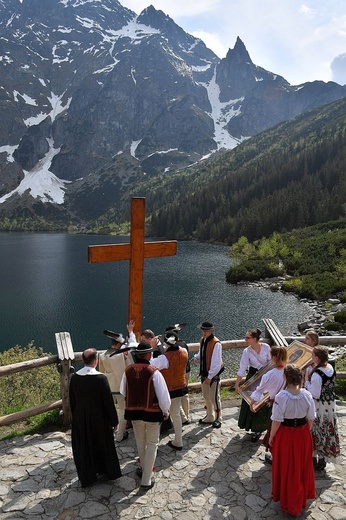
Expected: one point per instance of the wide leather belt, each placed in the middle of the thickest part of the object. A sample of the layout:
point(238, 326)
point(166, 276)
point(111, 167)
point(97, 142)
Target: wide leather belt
point(294, 422)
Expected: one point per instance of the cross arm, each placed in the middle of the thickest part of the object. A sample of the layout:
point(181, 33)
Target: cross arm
point(114, 252)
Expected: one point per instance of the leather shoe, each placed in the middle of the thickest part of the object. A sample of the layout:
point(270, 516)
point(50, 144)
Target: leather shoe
point(145, 488)
point(321, 464)
point(255, 437)
point(171, 445)
point(186, 422)
point(267, 458)
point(216, 424)
point(125, 436)
point(202, 421)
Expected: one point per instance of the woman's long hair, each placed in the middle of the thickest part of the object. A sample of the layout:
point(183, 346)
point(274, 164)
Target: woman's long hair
point(293, 375)
point(322, 355)
point(255, 333)
point(280, 354)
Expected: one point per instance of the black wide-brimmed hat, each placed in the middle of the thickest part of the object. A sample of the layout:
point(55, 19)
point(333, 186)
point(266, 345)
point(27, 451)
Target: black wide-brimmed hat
point(116, 336)
point(171, 337)
point(176, 327)
point(206, 325)
point(143, 348)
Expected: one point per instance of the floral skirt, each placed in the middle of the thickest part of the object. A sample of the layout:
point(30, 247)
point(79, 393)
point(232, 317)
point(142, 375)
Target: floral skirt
point(325, 431)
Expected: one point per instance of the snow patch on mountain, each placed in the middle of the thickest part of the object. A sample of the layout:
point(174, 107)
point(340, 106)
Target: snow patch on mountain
point(134, 30)
point(133, 148)
point(41, 183)
point(35, 120)
point(10, 151)
point(57, 105)
point(222, 113)
point(27, 99)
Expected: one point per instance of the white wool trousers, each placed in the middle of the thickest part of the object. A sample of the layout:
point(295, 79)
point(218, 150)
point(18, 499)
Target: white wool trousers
point(119, 402)
point(147, 435)
point(176, 420)
point(185, 402)
point(211, 394)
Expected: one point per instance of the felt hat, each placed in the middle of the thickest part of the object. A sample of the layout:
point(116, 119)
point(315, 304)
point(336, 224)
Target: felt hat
point(115, 336)
point(177, 327)
point(171, 337)
point(143, 348)
point(206, 325)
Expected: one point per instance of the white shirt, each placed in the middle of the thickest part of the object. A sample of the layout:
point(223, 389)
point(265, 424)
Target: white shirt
point(114, 366)
point(160, 362)
point(315, 385)
point(250, 358)
point(160, 387)
point(272, 382)
point(289, 406)
point(216, 360)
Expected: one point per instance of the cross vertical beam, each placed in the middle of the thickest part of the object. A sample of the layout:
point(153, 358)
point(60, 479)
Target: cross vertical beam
point(135, 302)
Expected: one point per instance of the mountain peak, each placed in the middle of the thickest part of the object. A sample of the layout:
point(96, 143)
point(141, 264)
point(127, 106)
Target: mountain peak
point(239, 52)
point(97, 96)
point(154, 17)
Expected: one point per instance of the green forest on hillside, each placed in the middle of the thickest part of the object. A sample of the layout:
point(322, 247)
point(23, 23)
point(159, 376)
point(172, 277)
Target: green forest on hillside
point(286, 178)
point(313, 260)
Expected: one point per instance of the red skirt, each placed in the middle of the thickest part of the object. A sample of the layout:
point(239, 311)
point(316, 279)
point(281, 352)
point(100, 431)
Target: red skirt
point(292, 468)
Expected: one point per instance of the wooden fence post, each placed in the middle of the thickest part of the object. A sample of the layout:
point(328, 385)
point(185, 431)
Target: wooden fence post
point(66, 356)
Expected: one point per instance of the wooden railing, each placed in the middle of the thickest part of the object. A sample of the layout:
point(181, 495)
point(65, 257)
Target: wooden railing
point(77, 358)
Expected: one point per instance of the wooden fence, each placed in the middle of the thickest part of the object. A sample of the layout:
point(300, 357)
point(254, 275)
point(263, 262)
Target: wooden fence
point(64, 362)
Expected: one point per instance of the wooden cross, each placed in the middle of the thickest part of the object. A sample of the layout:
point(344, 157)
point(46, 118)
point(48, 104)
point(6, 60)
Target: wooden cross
point(136, 251)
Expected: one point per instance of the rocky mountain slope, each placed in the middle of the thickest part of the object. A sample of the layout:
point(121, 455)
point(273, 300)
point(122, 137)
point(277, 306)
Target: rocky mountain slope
point(95, 98)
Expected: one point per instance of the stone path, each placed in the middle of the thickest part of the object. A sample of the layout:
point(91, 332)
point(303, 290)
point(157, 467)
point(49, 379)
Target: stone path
point(219, 474)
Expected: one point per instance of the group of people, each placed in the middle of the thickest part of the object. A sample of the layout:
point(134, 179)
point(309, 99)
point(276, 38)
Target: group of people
point(298, 416)
point(148, 382)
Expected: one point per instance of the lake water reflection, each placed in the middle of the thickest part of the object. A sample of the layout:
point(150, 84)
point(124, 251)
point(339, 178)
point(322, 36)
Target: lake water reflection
point(48, 286)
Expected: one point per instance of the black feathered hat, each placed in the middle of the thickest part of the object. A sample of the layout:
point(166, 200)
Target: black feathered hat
point(171, 337)
point(177, 327)
point(115, 336)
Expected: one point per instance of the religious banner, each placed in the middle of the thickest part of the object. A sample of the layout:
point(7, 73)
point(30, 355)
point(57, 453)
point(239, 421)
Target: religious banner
point(298, 353)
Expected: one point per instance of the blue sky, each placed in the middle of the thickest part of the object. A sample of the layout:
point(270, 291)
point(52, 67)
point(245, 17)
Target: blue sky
point(301, 41)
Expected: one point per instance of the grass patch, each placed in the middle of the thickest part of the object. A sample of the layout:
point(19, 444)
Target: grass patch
point(39, 424)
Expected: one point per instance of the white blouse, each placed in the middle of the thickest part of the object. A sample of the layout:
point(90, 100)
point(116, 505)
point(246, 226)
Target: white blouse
point(315, 385)
point(250, 358)
point(289, 406)
point(272, 382)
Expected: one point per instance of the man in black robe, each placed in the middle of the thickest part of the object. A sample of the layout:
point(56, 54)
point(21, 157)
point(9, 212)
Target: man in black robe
point(94, 418)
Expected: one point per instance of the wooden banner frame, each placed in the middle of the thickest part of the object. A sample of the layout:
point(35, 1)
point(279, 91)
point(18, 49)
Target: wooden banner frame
point(298, 353)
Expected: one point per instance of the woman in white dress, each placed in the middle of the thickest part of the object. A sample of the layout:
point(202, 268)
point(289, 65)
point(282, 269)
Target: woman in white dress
point(271, 383)
point(254, 357)
point(293, 480)
point(320, 383)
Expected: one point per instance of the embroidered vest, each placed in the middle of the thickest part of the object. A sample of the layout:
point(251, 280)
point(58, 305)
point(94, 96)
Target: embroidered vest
point(141, 400)
point(327, 390)
point(175, 374)
point(206, 351)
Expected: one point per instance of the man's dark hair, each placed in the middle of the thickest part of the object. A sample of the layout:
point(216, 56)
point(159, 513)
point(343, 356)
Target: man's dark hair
point(89, 355)
point(147, 333)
